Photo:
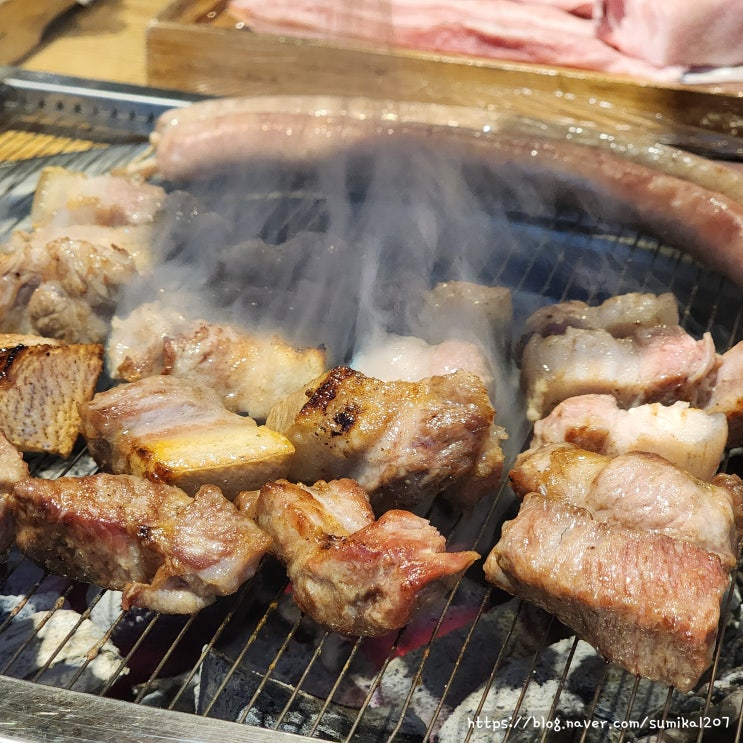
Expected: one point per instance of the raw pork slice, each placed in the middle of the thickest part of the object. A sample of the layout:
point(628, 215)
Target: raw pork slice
point(674, 32)
point(645, 601)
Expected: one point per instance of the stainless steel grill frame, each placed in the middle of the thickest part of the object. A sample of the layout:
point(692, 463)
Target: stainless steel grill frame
point(115, 120)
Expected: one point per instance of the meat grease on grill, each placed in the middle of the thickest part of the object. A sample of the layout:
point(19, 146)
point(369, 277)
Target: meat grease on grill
point(638, 490)
point(645, 601)
point(350, 573)
point(403, 442)
point(165, 550)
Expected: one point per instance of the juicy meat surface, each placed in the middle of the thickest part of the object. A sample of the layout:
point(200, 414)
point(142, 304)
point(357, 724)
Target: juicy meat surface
point(177, 431)
point(659, 364)
point(621, 315)
point(688, 437)
point(674, 32)
point(250, 371)
point(645, 601)
point(350, 573)
point(403, 442)
point(638, 490)
point(166, 551)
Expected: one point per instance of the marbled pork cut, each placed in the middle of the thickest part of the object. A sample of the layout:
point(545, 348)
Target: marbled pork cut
point(645, 601)
point(674, 32)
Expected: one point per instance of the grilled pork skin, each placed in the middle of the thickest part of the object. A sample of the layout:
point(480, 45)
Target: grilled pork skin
point(403, 442)
point(178, 432)
point(645, 601)
point(659, 364)
point(13, 469)
point(354, 575)
point(638, 490)
point(166, 551)
point(688, 437)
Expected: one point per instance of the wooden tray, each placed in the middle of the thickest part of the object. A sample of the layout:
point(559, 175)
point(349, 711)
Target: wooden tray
point(194, 45)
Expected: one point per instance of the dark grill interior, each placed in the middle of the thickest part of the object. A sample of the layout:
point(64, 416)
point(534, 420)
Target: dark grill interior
point(477, 658)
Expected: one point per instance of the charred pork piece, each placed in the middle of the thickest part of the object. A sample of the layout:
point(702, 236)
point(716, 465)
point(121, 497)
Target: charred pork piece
point(621, 316)
point(13, 469)
point(660, 364)
point(178, 432)
point(42, 385)
point(350, 573)
point(403, 442)
point(639, 491)
point(726, 393)
point(165, 550)
point(65, 197)
point(250, 371)
point(688, 437)
point(645, 601)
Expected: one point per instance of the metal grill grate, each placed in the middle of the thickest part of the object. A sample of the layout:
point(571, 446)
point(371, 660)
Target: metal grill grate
point(252, 659)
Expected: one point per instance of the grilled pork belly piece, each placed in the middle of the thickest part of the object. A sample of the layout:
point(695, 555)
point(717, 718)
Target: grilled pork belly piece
point(350, 573)
point(63, 287)
point(621, 315)
point(645, 601)
point(659, 364)
point(42, 384)
point(688, 437)
point(165, 550)
point(403, 442)
point(13, 469)
point(410, 359)
point(65, 197)
point(638, 490)
point(178, 432)
point(726, 393)
point(250, 371)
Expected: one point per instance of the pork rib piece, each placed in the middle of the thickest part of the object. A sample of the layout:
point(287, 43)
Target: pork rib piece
point(178, 432)
point(674, 32)
point(688, 437)
point(166, 551)
point(354, 575)
point(403, 442)
point(659, 364)
point(645, 601)
point(638, 490)
point(251, 371)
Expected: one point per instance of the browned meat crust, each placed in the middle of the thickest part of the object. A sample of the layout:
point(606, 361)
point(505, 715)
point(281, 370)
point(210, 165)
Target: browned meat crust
point(402, 441)
point(42, 383)
point(354, 575)
point(645, 601)
point(164, 550)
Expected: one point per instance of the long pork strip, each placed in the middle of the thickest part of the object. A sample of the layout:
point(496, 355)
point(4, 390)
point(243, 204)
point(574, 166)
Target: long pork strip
point(645, 601)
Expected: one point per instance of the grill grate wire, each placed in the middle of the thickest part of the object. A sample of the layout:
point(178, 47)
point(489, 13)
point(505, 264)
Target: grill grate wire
point(703, 302)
